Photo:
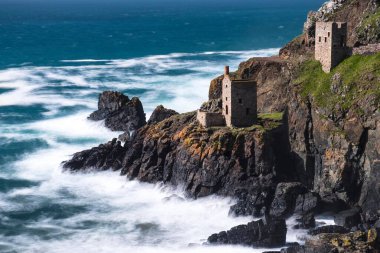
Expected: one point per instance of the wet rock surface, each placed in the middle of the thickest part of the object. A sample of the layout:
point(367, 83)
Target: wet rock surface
point(104, 157)
point(305, 221)
point(261, 233)
point(285, 199)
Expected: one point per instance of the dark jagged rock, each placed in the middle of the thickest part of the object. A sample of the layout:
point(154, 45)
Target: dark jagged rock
point(305, 221)
point(306, 203)
point(256, 233)
point(178, 151)
point(371, 217)
point(331, 203)
point(119, 112)
point(159, 114)
point(348, 218)
point(104, 157)
point(247, 204)
point(285, 199)
point(330, 229)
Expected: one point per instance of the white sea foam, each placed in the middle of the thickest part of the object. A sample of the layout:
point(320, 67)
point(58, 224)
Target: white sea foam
point(135, 216)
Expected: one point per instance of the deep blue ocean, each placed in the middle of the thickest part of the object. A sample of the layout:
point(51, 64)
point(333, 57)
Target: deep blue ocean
point(56, 56)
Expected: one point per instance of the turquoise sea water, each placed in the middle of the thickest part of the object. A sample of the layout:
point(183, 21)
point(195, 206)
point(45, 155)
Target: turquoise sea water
point(57, 56)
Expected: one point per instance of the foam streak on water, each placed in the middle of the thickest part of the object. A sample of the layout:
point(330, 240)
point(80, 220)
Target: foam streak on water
point(43, 121)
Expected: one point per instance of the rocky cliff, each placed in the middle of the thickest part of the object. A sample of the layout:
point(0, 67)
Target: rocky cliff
point(316, 147)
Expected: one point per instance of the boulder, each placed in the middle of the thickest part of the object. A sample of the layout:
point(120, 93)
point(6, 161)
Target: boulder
point(119, 112)
point(308, 202)
point(160, 113)
point(249, 204)
point(285, 199)
point(305, 221)
point(261, 233)
point(348, 218)
point(330, 229)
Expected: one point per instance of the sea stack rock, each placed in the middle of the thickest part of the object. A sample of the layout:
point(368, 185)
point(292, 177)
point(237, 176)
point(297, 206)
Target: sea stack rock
point(119, 112)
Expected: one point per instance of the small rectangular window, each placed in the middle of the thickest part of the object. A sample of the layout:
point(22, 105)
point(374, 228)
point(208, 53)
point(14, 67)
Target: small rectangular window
point(328, 34)
point(320, 39)
point(226, 109)
point(247, 111)
point(240, 101)
point(226, 98)
point(325, 39)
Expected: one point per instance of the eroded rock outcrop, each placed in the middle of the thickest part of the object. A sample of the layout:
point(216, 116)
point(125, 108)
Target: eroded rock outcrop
point(119, 112)
point(179, 151)
point(104, 157)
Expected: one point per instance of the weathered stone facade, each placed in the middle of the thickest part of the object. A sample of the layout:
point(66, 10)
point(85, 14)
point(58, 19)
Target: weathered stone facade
point(239, 101)
point(330, 44)
point(239, 104)
point(210, 119)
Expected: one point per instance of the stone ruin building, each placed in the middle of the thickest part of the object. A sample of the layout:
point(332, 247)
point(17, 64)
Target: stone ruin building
point(330, 44)
point(239, 104)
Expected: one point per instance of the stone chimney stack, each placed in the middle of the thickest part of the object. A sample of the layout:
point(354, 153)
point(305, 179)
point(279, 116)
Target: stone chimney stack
point(226, 70)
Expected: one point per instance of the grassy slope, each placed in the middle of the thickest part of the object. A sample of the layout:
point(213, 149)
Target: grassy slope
point(373, 21)
point(360, 77)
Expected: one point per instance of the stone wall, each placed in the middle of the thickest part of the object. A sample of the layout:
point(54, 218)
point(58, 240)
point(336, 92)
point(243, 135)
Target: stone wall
point(239, 102)
point(366, 50)
point(210, 119)
point(339, 43)
point(330, 44)
point(226, 98)
point(243, 103)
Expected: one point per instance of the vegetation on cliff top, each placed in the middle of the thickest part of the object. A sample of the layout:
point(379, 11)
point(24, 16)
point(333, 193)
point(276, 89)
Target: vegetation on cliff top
point(356, 79)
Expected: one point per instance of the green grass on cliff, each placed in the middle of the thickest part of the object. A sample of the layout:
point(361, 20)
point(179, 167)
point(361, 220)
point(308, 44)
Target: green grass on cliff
point(359, 79)
point(276, 116)
point(370, 24)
